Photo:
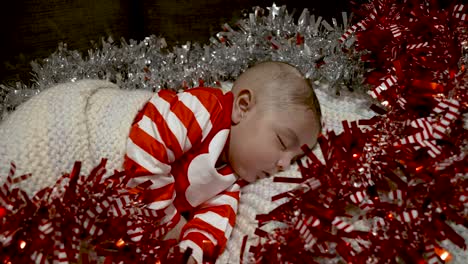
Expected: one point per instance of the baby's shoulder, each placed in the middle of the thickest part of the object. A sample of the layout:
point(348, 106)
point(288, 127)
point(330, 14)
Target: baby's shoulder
point(212, 95)
point(208, 92)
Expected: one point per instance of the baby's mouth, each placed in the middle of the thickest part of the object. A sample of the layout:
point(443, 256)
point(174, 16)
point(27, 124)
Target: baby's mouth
point(264, 174)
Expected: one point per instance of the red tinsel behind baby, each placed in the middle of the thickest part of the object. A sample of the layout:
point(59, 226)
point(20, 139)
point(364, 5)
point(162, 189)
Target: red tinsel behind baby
point(390, 185)
point(81, 219)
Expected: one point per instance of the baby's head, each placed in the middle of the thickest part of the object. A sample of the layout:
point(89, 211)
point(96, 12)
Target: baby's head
point(275, 112)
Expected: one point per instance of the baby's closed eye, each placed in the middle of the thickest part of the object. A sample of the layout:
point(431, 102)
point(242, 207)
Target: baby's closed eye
point(296, 158)
point(281, 142)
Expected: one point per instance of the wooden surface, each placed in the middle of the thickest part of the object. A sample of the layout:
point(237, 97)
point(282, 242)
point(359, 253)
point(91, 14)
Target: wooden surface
point(32, 29)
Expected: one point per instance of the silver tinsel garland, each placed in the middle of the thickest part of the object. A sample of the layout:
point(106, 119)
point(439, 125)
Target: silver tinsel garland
point(310, 44)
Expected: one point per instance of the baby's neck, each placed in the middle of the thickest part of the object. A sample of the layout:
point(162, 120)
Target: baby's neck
point(223, 158)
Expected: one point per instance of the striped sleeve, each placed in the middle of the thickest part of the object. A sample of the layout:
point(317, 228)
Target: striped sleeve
point(212, 223)
point(168, 127)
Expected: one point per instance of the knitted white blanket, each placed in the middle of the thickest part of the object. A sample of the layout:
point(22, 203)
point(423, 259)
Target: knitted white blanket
point(89, 120)
point(83, 121)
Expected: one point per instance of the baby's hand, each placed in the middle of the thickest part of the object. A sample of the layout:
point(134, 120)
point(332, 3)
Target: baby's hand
point(191, 260)
point(175, 232)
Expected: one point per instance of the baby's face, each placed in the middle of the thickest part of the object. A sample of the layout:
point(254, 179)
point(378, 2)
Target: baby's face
point(266, 142)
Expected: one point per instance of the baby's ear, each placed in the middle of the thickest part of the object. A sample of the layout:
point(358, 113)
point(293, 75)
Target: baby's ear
point(243, 102)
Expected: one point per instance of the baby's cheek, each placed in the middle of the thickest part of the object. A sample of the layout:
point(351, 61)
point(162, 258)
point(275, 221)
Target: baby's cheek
point(265, 157)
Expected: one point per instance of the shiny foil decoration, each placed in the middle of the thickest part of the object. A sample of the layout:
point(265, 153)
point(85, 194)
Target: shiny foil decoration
point(272, 34)
point(80, 219)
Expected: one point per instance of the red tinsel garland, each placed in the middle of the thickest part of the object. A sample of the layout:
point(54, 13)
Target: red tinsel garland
point(85, 219)
point(389, 185)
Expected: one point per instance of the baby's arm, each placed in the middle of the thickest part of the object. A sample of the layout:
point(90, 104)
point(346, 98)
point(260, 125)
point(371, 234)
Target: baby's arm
point(175, 232)
point(209, 229)
point(170, 125)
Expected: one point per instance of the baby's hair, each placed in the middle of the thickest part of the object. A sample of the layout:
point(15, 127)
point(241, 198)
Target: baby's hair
point(279, 85)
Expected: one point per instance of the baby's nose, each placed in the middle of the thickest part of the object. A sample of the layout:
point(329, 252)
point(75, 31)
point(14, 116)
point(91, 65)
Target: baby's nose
point(283, 164)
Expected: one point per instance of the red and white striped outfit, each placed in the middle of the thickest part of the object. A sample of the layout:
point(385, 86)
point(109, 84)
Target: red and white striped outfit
point(174, 146)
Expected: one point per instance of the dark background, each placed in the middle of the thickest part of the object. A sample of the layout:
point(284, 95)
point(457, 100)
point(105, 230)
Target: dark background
point(32, 29)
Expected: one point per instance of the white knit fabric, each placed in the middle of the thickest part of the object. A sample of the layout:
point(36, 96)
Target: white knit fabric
point(82, 121)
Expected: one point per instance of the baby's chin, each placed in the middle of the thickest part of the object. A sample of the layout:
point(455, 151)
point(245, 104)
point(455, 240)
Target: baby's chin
point(243, 173)
point(248, 178)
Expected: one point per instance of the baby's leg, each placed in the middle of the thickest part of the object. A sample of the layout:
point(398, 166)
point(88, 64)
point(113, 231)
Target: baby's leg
point(175, 232)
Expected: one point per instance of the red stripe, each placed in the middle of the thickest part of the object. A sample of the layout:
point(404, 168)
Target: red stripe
point(225, 211)
point(210, 99)
point(456, 114)
point(235, 194)
point(199, 224)
point(451, 103)
point(187, 117)
point(167, 95)
point(167, 136)
point(163, 193)
point(134, 168)
point(225, 170)
point(204, 243)
point(150, 145)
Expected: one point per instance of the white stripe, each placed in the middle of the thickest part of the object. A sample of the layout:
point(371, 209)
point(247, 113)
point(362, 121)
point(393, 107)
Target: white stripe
point(197, 252)
point(303, 229)
point(47, 228)
point(308, 238)
point(147, 125)
point(433, 146)
point(117, 210)
point(349, 229)
point(157, 181)
point(316, 222)
point(360, 196)
point(341, 225)
point(173, 122)
point(406, 217)
point(298, 224)
point(145, 160)
point(169, 214)
point(202, 115)
point(38, 259)
point(92, 230)
point(135, 234)
point(158, 205)
point(217, 221)
point(439, 131)
point(451, 116)
point(445, 122)
point(62, 255)
point(223, 200)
